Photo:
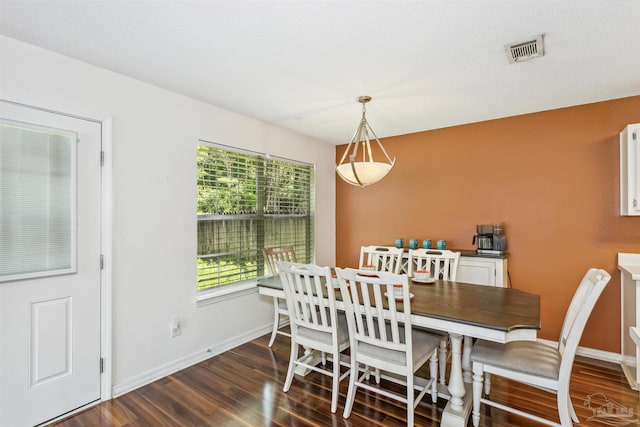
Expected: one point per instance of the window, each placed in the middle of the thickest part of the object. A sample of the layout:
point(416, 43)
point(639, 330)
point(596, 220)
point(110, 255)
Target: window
point(247, 202)
point(37, 201)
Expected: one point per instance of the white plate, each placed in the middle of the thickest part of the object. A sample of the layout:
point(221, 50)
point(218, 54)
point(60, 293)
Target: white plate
point(423, 281)
point(400, 298)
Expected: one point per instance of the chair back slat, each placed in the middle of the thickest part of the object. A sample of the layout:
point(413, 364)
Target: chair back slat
point(305, 288)
point(442, 264)
point(276, 254)
point(384, 258)
point(373, 313)
point(393, 314)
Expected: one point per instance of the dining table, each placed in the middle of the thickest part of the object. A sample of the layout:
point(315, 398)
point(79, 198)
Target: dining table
point(466, 312)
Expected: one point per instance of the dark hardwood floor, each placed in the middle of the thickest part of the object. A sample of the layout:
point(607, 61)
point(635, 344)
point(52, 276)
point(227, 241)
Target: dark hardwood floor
point(243, 387)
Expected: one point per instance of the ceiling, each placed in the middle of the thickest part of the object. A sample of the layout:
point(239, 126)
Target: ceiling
point(301, 64)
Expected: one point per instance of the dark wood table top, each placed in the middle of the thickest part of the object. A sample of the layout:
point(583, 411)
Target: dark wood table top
point(502, 309)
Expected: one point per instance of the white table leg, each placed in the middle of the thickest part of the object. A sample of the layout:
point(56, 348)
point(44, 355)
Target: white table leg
point(466, 359)
point(456, 383)
point(456, 413)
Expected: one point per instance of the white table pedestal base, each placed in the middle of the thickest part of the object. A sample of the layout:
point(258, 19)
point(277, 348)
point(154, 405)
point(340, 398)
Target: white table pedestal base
point(458, 418)
point(456, 413)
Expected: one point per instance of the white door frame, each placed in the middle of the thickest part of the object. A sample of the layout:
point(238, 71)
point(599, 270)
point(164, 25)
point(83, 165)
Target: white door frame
point(106, 240)
point(106, 248)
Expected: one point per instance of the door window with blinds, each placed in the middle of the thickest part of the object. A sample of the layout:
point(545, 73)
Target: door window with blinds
point(247, 202)
point(37, 201)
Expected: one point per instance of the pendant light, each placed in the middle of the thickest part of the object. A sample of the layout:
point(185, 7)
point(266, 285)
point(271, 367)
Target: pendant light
point(360, 169)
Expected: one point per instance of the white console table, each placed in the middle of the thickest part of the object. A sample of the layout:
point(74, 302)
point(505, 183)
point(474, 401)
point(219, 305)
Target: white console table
point(629, 266)
point(488, 270)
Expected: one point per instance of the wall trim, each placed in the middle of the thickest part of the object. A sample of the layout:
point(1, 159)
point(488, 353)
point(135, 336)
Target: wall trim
point(591, 353)
point(162, 371)
point(225, 293)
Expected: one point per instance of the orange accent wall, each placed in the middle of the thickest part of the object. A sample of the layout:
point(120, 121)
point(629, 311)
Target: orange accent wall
point(553, 179)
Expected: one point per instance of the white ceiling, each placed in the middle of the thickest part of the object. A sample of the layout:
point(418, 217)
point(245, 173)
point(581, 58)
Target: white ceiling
point(301, 64)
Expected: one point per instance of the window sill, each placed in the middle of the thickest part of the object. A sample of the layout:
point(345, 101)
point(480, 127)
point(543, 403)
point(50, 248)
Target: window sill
point(225, 293)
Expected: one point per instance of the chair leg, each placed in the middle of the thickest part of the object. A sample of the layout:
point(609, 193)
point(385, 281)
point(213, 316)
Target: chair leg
point(276, 321)
point(410, 401)
point(351, 393)
point(336, 382)
point(564, 403)
point(443, 360)
point(433, 368)
point(487, 383)
point(574, 416)
point(478, 376)
point(292, 365)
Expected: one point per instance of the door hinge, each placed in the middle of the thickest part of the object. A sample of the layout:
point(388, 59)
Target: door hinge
point(633, 136)
point(102, 158)
point(102, 365)
point(101, 262)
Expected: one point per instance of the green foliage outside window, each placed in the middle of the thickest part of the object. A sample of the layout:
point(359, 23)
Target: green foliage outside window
point(247, 202)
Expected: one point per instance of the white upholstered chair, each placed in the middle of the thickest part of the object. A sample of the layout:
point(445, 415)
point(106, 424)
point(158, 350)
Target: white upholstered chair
point(388, 346)
point(536, 363)
point(315, 323)
point(442, 264)
point(383, 258)
point(271, 257)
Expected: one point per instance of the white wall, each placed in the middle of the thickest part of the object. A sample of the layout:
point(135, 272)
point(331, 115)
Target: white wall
point(155, 134)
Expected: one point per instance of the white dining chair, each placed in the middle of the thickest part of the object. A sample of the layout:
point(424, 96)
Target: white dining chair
point(536, 363)
point(315, 322)
point(271, 257)
point(383, 258)
point(382, 338)
point(441, 264)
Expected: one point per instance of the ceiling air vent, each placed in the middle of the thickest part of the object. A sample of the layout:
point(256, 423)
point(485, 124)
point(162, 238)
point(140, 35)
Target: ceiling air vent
point(524, 51)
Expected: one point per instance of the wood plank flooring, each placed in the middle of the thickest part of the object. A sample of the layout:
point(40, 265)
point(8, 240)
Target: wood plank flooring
point(243, 387)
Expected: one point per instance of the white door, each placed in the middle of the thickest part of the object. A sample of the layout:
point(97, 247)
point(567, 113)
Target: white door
point(49, 315)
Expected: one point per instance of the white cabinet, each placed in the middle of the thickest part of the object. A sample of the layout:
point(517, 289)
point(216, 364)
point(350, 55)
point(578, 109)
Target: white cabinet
point(476, 269)
point(483, 271)
point(629, 266)
point(630, 170)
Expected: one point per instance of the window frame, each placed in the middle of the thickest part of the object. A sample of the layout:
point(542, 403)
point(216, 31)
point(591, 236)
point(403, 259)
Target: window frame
point(225, 291)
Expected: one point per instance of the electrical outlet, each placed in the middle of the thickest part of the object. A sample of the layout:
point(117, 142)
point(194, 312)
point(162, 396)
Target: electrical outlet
point(176, 327)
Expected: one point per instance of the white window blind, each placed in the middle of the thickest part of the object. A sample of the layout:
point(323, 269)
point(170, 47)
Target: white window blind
point(247, 202)
point(37, 201)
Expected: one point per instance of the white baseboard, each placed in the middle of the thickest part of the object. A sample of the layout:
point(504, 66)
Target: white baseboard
point(605, 356)
point(162, 371)
point(213, 350)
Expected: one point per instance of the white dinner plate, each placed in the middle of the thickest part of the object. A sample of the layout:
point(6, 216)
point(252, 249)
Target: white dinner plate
point(400, 298)
point(413, 279)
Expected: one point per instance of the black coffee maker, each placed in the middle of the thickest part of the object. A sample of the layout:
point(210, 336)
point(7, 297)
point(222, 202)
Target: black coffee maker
point(490, 239)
